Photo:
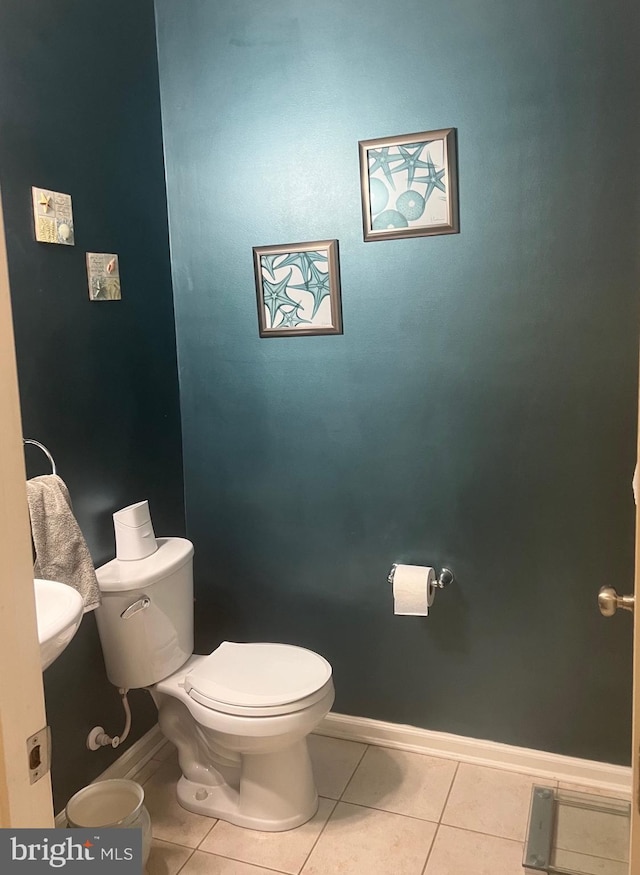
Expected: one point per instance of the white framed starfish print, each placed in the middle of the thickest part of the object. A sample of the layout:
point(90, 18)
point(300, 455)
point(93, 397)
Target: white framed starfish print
point(409, 185)
point(298, 289)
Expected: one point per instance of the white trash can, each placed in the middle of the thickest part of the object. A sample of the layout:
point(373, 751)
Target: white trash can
point(116, 802)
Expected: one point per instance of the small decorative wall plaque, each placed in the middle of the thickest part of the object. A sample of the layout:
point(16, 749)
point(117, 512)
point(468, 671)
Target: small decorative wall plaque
point(103, 274)
point(52, 216)
point(298, 289)
point(409, 185)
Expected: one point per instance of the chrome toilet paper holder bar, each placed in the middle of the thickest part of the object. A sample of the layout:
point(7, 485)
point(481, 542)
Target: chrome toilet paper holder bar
point(445, 577)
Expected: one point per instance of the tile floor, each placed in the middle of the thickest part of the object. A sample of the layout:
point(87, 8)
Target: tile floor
point(382, 812)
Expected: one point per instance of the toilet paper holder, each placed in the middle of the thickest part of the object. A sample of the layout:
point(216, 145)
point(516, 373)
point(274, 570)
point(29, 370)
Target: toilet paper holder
point(445, 577)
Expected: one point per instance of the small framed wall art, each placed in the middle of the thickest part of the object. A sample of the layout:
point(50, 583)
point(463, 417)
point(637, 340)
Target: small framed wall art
point(409, 185)
point(52, 216)
point(103, 275)
point(298, 289)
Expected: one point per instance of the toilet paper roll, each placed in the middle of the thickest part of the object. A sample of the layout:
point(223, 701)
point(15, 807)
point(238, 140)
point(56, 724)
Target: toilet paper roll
point(413, 590)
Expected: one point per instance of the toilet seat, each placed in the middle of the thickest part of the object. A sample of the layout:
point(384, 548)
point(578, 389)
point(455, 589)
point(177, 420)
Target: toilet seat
point(259, 680)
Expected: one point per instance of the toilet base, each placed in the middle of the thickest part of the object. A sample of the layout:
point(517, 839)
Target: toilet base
point(277, 792)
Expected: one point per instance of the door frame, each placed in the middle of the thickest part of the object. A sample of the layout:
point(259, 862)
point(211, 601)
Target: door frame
point(634, 848)
point(22, 707)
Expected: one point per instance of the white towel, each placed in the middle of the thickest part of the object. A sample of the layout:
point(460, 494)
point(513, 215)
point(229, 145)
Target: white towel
point(61, 550)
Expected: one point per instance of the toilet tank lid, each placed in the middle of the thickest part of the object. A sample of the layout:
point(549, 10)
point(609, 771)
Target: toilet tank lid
point(120, 576)
point(259, 674)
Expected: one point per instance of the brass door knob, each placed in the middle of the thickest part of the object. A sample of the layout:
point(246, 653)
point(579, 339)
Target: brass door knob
point(609, 601)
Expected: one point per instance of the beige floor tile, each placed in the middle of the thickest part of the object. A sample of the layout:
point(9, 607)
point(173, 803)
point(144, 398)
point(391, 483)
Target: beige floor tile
point(402, 782)
point(166, 858)
point(364, 841)
point(284, 851)
point(458, 852)
point(210, 864)
point(334, 762)
point(490, 801)
point(169, 821)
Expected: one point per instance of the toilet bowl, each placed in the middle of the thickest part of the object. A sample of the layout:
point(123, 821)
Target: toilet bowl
point(238, 717)
point(246, 763)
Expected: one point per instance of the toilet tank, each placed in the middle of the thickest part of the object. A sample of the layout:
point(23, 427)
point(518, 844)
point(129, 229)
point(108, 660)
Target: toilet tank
point(145, 620)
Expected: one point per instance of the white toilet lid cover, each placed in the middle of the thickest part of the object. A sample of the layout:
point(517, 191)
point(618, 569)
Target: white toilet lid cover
point(259, 674)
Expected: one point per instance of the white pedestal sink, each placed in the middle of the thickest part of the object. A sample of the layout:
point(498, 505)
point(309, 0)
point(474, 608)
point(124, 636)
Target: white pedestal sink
point(59, 610)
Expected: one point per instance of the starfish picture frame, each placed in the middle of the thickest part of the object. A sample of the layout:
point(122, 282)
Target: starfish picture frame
point(298, 289)
point(409, 185)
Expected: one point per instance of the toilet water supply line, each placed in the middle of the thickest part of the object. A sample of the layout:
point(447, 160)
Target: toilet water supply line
point(98, 738)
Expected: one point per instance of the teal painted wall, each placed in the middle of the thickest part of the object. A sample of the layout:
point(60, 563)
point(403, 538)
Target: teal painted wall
point(80, 113)
point(479, 410)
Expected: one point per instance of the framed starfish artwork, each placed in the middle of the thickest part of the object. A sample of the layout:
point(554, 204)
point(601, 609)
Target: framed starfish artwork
point(298, 289)
point(409, 185)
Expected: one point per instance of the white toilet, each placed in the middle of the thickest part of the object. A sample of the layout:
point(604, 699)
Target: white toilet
point(238, 717)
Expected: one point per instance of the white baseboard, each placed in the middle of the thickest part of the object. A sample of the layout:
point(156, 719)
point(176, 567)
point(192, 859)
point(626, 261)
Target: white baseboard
point(136, 756)
point(543, 765)
point(131, 761)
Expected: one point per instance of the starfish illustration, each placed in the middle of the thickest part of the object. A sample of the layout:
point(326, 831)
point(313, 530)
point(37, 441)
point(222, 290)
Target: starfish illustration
point(411, 161)
point(315, 273)
point(433, 180)
point(319, 288)
point(382, 161)
point(304, 260)
point(290, 318)
point(268, 262)
point(275, 295)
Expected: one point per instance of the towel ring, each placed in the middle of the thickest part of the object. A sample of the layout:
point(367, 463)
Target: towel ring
point(44, 450)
